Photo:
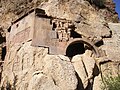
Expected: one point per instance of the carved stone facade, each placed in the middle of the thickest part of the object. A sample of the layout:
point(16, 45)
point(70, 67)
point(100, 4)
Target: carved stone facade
point(55, 33)
point(33, 38)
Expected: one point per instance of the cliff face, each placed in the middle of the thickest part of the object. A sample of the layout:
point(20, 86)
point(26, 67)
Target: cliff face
point(11, 10)
point(27, 67)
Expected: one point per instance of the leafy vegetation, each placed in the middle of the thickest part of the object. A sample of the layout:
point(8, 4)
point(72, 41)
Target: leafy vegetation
point(98, 3)
point(111, 83)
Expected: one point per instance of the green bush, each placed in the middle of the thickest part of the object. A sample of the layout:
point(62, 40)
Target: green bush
point(98, 3)
point(111, 83)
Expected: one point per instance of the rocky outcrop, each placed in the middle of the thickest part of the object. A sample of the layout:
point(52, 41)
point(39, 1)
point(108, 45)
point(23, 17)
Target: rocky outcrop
point(86, 69)
point(32, 69)
point(27, 67)
point(88, 21)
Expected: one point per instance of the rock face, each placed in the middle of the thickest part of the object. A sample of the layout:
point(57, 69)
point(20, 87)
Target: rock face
point(88, 21)
point(86, 69)
point(27, 67)
point(32, 69)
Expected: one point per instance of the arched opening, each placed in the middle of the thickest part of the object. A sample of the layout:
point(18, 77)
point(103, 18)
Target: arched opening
point(74, 49)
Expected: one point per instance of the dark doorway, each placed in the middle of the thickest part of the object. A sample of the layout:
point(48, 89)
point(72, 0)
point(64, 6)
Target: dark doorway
point(74, 49)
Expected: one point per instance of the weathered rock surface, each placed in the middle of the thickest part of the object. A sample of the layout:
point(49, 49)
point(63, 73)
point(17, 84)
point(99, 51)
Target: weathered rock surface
point(88, 21)
point(113, 43)
point(31, 68)
point(86, 68)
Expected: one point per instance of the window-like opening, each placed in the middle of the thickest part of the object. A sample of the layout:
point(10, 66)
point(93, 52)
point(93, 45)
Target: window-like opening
point(3, 53)
point(74, 49)
point(17, 25)
point(9, 29)
point(40, 11)
point(98, 44)
point(54, 26)
point(75, 34)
